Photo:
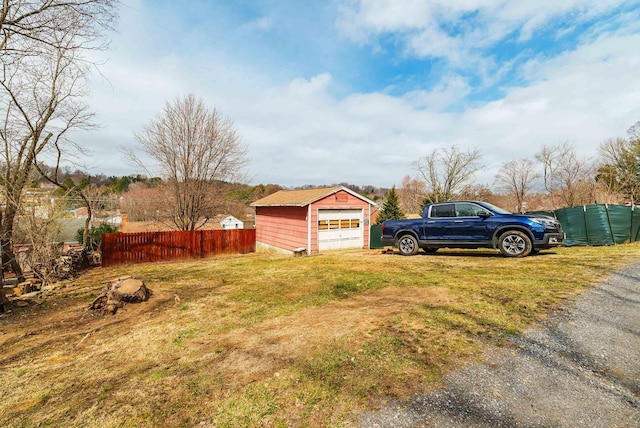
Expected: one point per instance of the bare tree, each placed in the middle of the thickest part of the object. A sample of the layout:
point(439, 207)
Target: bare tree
point(566, 175)
point(40, 225)
point(43, 68)
point(634, 133)
point(141, 202)
point(446, 172)
point(411, 194)
point(619, 171)
point(194, 147)
point(477, 192)
point(517, 178)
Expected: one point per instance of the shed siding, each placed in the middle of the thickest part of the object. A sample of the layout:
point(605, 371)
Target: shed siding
point(282, 227)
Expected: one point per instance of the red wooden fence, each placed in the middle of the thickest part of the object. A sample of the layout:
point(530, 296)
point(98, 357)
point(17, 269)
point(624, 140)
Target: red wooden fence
point(129, 248)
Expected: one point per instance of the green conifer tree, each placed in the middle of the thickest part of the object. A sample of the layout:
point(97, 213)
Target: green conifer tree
point(390, 208)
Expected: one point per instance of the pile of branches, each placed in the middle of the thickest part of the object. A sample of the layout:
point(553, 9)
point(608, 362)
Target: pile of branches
point(64, 266)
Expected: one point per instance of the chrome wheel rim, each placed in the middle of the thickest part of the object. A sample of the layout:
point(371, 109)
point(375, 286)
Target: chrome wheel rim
point(514, 244)
point(406, 245)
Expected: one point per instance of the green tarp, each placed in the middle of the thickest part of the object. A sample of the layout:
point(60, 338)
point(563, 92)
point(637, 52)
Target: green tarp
point(599, 224)
point(574, 226)
point(375, 237)
point(620, 221)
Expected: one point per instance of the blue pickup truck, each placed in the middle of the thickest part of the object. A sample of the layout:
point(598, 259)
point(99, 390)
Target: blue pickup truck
point(471, 224)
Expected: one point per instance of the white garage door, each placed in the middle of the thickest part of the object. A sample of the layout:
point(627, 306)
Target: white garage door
point(339, 229)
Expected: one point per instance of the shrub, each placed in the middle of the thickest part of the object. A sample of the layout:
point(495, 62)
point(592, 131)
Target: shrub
point(95, 235)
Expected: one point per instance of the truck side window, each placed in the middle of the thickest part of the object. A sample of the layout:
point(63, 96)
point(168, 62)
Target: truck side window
point(444, 210)
point(467, 210)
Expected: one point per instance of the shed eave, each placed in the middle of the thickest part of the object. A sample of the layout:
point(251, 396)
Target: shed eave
point(324, 192)
point(279, 205)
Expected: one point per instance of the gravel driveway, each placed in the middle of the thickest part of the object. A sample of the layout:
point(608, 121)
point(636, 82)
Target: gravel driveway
point(581, 368)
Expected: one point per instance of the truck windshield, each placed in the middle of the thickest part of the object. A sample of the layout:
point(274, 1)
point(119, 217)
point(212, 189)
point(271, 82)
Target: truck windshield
point(496, 209)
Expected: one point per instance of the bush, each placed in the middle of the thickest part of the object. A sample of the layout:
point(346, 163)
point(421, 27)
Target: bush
point(95, 235)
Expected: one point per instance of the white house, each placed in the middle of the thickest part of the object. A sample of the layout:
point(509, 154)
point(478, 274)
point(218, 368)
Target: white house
point(231, 223)
point(114, 220)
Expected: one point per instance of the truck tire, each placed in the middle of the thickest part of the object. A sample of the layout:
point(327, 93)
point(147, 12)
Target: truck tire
point(408, 245)
point(514, 243)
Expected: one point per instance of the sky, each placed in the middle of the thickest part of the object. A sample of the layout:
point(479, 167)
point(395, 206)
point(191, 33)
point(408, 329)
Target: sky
point(357, 91)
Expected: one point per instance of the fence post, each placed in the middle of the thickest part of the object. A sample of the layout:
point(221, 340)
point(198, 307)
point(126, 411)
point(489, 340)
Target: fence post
point(632, 237)
point(613, 236)
point(586, 224)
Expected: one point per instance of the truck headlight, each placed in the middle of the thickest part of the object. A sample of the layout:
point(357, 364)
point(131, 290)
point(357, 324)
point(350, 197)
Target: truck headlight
point(549, 224)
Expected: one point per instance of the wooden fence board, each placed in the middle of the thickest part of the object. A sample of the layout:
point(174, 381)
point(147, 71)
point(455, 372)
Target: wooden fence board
point(130, 248)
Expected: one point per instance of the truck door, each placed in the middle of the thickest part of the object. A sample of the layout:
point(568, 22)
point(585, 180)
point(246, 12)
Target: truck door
point(469, 225)
point(440, 224)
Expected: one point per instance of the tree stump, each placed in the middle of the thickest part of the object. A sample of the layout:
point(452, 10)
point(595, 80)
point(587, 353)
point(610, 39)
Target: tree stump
point(120, 291)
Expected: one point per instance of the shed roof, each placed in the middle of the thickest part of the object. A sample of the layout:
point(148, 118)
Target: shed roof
point(301, 198)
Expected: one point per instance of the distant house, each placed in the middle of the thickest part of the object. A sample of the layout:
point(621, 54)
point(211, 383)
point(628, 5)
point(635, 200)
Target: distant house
point(114, 221)
point(319, 219)
point(231, 222)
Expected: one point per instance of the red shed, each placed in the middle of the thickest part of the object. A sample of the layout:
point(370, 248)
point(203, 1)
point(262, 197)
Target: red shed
point(327, 218)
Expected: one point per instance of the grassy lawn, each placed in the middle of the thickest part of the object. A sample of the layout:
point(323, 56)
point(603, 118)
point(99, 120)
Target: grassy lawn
point(268, 340)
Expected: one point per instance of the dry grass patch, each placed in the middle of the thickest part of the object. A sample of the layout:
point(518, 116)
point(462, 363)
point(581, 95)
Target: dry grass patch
point(266, 340)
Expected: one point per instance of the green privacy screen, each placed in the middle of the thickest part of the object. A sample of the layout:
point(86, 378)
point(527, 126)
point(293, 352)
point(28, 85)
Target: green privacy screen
point(599, 224)
point(375, 237)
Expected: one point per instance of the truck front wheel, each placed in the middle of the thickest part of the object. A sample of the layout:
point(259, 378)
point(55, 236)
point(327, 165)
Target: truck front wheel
point(408, 245)
point(514, 244)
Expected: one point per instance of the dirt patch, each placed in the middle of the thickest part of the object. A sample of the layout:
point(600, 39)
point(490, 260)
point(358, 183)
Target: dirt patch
point(265, 347)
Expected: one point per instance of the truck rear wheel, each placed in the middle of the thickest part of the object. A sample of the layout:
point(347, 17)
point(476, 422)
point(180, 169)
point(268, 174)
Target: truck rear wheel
point(514, 244)
point(408, 245)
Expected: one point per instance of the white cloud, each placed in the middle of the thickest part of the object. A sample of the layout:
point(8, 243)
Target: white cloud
point(316, 84)
point(456, 30)
point(451, 90)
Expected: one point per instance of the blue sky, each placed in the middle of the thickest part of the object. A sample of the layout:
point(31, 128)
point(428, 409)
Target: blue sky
point(353, 91)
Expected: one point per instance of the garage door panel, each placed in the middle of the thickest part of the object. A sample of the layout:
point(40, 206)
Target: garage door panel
point(338, 229)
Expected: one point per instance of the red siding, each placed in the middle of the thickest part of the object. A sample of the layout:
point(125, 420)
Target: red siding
point(282, 227)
